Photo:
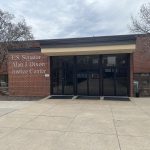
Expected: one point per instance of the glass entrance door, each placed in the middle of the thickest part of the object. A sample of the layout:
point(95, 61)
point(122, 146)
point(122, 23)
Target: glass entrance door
point(82, 75)
point(62, 75)
point(115, 75)
point(88, 75)
point(67, 67)
point(108, 81)
point(93, 75)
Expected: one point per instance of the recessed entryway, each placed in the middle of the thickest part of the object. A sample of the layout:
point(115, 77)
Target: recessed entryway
point(91, 75)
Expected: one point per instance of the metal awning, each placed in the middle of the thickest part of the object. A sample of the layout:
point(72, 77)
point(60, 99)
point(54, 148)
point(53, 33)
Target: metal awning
point(89, 50)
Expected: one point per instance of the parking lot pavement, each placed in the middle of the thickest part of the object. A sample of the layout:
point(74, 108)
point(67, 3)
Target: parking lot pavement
point(75, 124)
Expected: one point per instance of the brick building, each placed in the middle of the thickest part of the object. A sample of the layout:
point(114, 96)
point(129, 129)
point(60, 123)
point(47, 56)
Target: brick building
point(90, 66)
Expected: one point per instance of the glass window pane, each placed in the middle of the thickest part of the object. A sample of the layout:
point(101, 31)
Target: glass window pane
point(109, 61)
point(108, 81)
point(68, 75)
point(82, 75)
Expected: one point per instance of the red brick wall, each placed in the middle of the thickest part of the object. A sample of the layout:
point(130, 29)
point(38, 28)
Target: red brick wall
point(142, 65)
point(28, 74)
point(142, 55)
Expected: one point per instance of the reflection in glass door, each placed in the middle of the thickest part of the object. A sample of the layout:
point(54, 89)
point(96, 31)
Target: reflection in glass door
point(108, 81)
point(115, 75)
point(93, 75)
point(88, 75)
point(82, 75)
point(67, 85)
point(122, 81)
point(62, 75)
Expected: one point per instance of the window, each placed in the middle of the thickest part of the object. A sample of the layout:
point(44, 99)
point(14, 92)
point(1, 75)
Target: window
point(4, 84)
point(144, 83)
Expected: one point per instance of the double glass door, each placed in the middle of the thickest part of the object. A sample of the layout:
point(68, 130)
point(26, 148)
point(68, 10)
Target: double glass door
point(88, 75)
point(93, 75)
point(62, 75)
point(116, 75)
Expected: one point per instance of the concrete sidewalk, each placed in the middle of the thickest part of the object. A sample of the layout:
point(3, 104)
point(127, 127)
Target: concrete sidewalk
point(75, 125)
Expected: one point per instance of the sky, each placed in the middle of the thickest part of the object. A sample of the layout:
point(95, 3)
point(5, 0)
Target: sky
point(51, 19)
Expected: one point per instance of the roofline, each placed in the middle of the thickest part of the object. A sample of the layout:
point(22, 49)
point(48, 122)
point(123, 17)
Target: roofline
point(84, 37)
point(83, 41)
point(87, 37)
point(89, 41)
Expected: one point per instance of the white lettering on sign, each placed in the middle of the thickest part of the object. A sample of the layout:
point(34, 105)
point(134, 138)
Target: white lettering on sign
point(17, 65)
point(35, 64)
point(26, 64)
point(25, 57)
point(15, 57)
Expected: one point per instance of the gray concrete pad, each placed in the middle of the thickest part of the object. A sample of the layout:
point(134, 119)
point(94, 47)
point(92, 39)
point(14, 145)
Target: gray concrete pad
point(75, 124)
point(4, 111)
point(5, 131)
point(92, 125)
point(134, 143)
point(23, 139)
point(133, 127)
point(15, 104)
point(85, 141)
point(49, 123)
point(13, 122)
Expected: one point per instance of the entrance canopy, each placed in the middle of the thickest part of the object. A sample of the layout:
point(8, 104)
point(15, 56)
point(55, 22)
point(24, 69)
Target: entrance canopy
point(89, 45)
point(87, 50)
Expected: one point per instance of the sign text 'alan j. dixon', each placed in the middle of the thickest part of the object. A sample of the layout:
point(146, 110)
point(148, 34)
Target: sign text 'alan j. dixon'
point(28, 64)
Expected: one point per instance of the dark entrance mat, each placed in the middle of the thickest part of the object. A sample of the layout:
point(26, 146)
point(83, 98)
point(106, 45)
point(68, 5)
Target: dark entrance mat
point(117, 98)
point(61, 97)
point(89, 97)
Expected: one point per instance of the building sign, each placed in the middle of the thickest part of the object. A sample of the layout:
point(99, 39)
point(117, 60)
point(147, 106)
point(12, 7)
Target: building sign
point(28, 64)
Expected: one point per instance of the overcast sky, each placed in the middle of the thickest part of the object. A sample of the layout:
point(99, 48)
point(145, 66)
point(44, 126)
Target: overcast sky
point(74, 18)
